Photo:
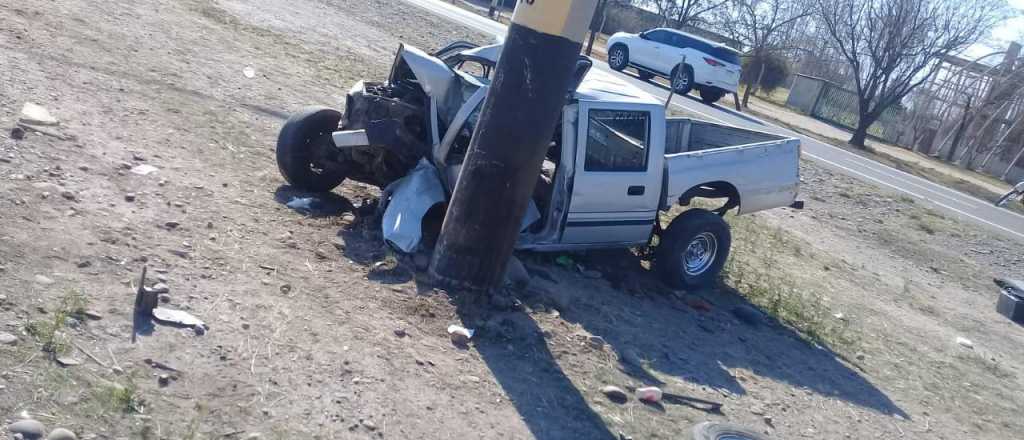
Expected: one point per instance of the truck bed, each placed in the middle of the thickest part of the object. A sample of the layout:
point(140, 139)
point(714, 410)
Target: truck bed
point(764, 168)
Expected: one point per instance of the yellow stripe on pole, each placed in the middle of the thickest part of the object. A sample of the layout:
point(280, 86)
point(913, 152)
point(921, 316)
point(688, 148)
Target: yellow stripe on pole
point(566, 18)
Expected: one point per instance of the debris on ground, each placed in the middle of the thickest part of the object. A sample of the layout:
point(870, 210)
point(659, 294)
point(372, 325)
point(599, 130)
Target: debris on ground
point(180, 318)
point(410, 198)
point(301, 203)
point(35, 114)
point(8, 339)
point(649, 394)
point(144, 169)
point(159, 365)
point(17, 133)
point(748, 315)
point(61, 434)
point(460, 335)
point(249, 72)
point(964, 342)
point(615, 394)
point(66, 361)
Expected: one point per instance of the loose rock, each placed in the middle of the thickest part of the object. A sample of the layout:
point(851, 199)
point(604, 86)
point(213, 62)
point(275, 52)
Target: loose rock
point(17, 133)
point(68, 362)
point(44, 280)
point(29, 429)
point(61, 434)
point(35, 114)
point(164, 380)
point(649, 394)
point(459, 334)
point(964, 342)
point(615, 394)
point(130, 197)
point(8, 339)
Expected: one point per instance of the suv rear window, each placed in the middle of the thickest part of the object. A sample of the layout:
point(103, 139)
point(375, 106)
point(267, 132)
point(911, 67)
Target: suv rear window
point(723, 53)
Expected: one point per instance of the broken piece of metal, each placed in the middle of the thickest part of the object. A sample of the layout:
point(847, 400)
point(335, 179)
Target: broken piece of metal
point(409, 200)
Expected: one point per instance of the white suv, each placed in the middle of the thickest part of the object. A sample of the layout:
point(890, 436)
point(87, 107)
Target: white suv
point(711, 68)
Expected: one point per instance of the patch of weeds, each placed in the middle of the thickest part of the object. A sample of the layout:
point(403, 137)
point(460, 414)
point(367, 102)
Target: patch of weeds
point(50, 332)
point(120, 398)
point(753, 270)
point(926, 227)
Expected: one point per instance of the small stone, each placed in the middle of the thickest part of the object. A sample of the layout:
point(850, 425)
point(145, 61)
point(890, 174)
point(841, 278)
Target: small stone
point(964, 342)
point(35, 114)
point(649, 394)
point(401, 333)
point(68, 361)
point(321, 254)
point(164, 298)
point(748, 315)
point(69, 195)
point(130, 197)
point(29, 429)
point(369, 425)
point(84, 264)
point(860, 356)
point(83, 167)
point(171, 224)
point(615, 394)
point(163, 380)
point(8, 339)
point(61, 434)
point(138, 157)
point(93, 315)
point(459, 335)
point(17, 133)
point(768, 420)
point(44, 280)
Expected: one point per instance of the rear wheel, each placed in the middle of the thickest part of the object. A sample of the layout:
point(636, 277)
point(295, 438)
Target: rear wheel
point(693, 249)
point(618, 57)
point(711, 95)
point(306, 155)
point(682, 79)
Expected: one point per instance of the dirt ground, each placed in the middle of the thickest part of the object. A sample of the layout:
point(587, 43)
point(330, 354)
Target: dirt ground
point(307, 340)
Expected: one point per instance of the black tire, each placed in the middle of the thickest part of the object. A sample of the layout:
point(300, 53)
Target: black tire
point(305, 137)
point(716, 431)
point(701, 232)
point(711, 95)
point(681, 80)
point(644, 75)
point(618, 57)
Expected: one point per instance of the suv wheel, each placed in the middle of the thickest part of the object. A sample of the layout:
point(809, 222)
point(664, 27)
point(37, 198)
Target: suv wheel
point(618, 57)
point(711, 95)
point(682, 80)
point(305, 150)
point(692, 251)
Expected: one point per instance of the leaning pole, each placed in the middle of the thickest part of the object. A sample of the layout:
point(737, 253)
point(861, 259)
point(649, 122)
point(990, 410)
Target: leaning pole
point(516, 124)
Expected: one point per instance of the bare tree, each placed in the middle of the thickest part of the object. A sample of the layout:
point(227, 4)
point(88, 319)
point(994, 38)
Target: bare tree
point(761, 26)
point(682, 12)
point(893, 46)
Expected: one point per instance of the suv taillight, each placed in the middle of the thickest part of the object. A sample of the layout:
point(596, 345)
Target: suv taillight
point(713, 62)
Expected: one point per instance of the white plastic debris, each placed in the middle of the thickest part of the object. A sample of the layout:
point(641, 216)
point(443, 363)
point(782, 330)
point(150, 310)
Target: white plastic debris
point(964, 342)
point(459, 334)
point(249, 72)
point(649, 394)
point(301, 203)
point(36, 114)
point(144, 169)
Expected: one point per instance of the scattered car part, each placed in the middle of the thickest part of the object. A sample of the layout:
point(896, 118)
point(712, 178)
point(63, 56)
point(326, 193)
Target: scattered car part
point(408, 200)
point(1011, 299)
point(724, 431)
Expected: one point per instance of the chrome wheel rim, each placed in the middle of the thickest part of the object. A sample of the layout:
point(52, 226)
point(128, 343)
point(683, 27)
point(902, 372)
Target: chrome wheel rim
point(617, 57)
point(700, 254)
point(680, 81)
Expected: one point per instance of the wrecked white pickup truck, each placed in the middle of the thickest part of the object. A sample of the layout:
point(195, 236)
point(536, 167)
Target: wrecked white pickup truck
point(615, 161)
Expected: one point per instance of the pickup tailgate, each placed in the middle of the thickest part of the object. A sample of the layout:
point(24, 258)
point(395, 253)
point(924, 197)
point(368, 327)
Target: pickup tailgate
point(763, 167)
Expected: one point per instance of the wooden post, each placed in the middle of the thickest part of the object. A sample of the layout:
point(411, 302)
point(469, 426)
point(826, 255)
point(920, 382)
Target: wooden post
point(515, 128)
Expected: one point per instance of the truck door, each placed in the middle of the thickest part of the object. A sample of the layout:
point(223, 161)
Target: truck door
point(617, 182)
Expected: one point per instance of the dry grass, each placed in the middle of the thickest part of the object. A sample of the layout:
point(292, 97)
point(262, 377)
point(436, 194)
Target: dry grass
point(49, 333)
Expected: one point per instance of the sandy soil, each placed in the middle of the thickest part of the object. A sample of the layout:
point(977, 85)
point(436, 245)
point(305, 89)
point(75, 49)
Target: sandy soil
point(306, 340)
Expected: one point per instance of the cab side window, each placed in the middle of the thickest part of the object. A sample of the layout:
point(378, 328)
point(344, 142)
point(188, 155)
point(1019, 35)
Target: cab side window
point(617, 140)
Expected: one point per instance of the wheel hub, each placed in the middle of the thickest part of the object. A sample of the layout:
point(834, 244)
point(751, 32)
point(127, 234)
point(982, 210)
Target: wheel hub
point(617, 57)
point(700, 254)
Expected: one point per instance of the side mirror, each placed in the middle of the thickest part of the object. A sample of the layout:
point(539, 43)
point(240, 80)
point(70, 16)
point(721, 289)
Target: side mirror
point(643, 35)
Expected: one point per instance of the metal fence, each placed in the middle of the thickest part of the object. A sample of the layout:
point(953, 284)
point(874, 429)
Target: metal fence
point(839, 106)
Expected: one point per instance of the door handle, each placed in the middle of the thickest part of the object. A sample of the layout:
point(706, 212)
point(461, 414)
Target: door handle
point(635, 190)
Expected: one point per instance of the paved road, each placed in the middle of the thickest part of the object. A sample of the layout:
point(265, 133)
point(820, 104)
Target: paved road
point(945, 199)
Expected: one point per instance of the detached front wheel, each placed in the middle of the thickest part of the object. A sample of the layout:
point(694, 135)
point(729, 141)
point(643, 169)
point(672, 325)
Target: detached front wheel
point(306, 155)
point(693, 249)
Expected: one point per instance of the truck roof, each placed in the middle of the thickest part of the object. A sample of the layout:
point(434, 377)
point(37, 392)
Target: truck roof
point(598, 85)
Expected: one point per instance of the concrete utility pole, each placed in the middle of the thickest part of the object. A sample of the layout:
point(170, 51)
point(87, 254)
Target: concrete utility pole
point(516, 124)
